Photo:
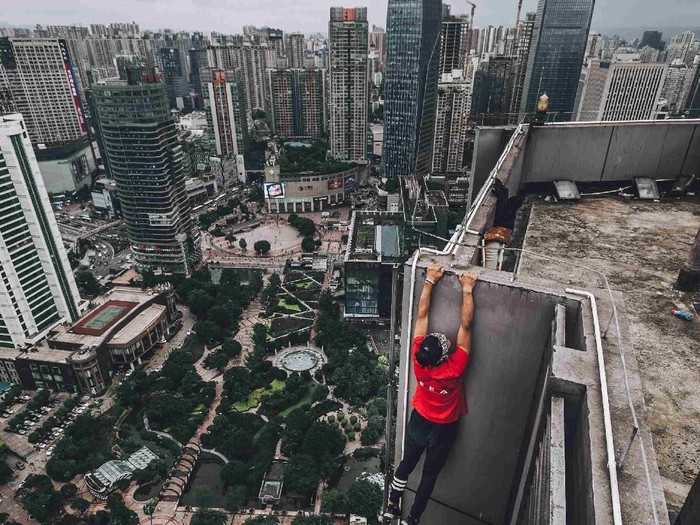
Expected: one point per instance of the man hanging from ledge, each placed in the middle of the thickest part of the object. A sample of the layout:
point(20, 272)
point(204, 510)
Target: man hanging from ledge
point(439, 400)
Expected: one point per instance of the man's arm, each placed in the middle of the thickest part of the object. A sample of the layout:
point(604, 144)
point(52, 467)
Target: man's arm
point(464, 336)
point(434, 275)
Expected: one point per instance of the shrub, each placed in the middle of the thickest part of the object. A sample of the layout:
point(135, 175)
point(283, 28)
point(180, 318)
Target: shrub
point(353, 419)
point(331, 418)
point(351, 436)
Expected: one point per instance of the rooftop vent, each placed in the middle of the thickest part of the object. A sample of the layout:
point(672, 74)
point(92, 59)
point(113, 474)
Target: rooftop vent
point(567, 190)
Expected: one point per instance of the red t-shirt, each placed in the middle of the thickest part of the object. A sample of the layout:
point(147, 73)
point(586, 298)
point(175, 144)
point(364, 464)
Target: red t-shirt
point(439, 394)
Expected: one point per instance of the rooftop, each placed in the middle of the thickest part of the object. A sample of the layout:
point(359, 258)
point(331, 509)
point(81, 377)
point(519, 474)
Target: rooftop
point(105, 316)
point(135, 328)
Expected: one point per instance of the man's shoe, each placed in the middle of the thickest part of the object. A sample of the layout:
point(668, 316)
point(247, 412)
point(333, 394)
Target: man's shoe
point(392, 512)
point(410, 521)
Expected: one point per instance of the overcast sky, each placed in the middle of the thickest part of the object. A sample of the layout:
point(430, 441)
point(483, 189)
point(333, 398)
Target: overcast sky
point(228, 16)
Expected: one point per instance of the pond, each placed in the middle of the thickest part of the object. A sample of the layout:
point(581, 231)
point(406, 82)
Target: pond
point(299, 359)
point(148, 491)
point(206, 474)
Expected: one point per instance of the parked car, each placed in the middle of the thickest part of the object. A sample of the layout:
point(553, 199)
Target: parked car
point(22, 431)
point(20, 465)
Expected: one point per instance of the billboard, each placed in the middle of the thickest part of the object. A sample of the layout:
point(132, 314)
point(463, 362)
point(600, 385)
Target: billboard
point(335, 184)
point(350, 182)
point(73, 84)
point(273, 190)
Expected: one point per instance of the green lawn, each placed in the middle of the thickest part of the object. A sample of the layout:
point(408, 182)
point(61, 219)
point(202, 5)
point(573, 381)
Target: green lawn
point(257, 395)
point(194, 347)
point(306, 399)
point(306, 285)
point(291, 307)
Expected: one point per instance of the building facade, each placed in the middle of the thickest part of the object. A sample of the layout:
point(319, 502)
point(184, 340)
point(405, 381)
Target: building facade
point(454, 43)
point(298, 102)
point(556, 55)
point(145, 159)
point(454, 98)
point(621, 91)
point(173, 65)
point(349, 82)
point(40, 76)
point(410, 85)
point(295, 50)
point(38, 290)
point(523, 42)
point(224, 102)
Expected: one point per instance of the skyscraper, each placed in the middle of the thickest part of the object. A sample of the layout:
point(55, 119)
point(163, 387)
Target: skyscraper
point(451, 123)
point(410, 86)
point(37, 289)
point(172, 64)
point(298, 102)
point(253, 60)
point(294, 49)
point(144, 158)
point(349, 83)
point(454, 40)
point(224, 101)
point(681, 47)
point(621, 91)
point(40, 76)
point(198, 60)
point(377, 41)
point(652, 39)
point(556, 55)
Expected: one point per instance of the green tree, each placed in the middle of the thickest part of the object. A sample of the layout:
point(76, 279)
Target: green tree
point(365, 498)
point(208, 517)
point(203, 496)
point(231, 348)
point(262, 247)
point(259, 334)
point(307, 244)
point(220, 315)
point(68, 491)
point(333, 500)
point(120, 513)
point(87, 282)
point(320, 393)
point(302, 473)
point(199, 302)
point(208, 331)
point(235, 498)
point(243, 244)
point(80, 505)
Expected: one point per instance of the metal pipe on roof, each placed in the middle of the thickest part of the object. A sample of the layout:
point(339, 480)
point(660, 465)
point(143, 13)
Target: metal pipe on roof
point(607, 420)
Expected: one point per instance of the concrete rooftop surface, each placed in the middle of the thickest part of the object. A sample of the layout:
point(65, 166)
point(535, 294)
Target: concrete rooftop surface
point(640, 247)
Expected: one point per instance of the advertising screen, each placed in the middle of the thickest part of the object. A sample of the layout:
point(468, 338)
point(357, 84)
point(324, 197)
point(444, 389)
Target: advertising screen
point(350, 183)
point(335, 184)
point(273, 190)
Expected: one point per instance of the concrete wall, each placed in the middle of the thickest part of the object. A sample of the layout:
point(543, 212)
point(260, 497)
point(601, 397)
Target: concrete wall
point(511, 330)
point(488, 146)
point(68, 174)
point(595, 152)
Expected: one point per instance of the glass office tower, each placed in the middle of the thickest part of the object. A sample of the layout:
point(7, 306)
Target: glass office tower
point(556, 55)
point(144, 158)
point(410, 86)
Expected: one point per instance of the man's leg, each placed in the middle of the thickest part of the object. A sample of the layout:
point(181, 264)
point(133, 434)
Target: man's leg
point(413, 449)
point(438, 449)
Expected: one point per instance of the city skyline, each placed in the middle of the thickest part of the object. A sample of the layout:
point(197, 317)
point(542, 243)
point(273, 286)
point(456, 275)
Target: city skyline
point(310, 16)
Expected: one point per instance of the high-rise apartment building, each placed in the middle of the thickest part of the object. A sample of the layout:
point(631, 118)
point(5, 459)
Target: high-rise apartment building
point(451, 123)
point(349, 83)
point(295, 50)
point(410, 85)
point(523, 42)
point(652, 39)
point(253, 61)
point(224, 101)
point(681, 47)
point(37, 289)
point(298, 102)
point(678, 83)
point(173, 65)
point(40, 75)
point(454, 42)
point(144, 158)
point(377, 40)
point(198, 60)
point(556, 55)
point(615, 91)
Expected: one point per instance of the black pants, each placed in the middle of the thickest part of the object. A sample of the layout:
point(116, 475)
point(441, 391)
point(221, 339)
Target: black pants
point(436, 440)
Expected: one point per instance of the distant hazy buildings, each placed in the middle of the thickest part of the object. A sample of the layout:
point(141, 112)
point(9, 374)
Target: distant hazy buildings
point(144, 158)
point(410, 85)
point(37, 288)
point(615, 91)
point(523, 43)
point(295, 50)
point(298, 107)
point(451, 123)
point(652, 39)
point(556, 55)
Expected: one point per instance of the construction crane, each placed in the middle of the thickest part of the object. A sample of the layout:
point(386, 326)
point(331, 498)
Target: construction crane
point(471, 28)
